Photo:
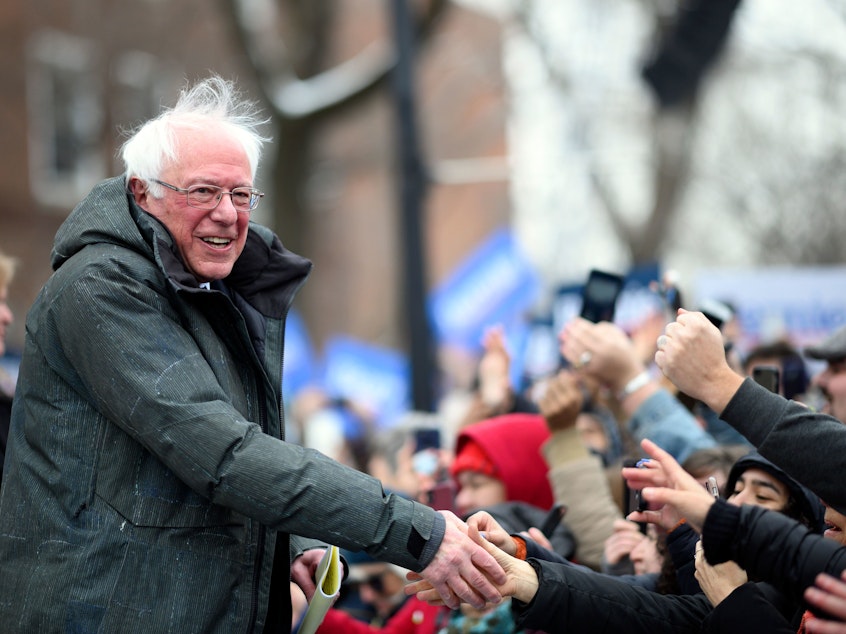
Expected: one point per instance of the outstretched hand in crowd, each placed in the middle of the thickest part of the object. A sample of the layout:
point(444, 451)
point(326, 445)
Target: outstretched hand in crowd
point(691, 353)
point(671, 492)
point(829, 595)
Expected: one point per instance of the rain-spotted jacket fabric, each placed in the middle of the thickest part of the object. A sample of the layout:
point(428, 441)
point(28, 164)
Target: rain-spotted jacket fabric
point(145, 479)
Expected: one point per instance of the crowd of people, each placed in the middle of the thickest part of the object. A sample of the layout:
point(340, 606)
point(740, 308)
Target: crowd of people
point(617, 568)
point(648, 485)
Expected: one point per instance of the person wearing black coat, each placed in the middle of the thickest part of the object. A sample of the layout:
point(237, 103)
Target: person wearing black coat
point(554, 596)
point(770, 546)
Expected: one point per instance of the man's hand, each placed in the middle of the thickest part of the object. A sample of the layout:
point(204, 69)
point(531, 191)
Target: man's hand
point(462, 570)
point(691, 354)
point(518, 578)
point(303, 569)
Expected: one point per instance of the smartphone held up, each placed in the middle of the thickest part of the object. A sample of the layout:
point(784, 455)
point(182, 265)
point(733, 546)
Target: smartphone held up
point(599, 296)
point(768, 376)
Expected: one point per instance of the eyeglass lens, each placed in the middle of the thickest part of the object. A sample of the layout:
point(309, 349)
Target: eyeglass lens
point(205, 196)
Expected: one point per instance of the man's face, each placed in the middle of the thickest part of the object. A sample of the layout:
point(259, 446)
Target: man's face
point(476, 490)
point(209, 241)
point(381, 587)
point(832, 382)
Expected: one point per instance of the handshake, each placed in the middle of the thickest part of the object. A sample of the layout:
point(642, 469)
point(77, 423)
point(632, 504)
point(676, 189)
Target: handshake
point(474, 565)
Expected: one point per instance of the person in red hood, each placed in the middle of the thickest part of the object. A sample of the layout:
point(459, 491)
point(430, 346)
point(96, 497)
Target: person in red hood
point(499, 460)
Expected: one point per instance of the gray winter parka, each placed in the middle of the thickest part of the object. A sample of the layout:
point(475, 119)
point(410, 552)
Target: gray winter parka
point(145, 479)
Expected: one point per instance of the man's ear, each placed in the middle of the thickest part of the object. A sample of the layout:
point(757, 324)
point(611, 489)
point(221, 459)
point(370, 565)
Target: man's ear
point(139, 191)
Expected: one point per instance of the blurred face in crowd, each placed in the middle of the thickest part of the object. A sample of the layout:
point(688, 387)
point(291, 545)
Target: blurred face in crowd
point(380, 586)
point(6, 317)
point(835, 525)
point(209, 241)
point(757, 487)
point(476, 490)
point(832, 383)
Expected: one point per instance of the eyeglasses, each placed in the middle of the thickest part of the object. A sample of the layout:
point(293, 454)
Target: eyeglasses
point(208, 197)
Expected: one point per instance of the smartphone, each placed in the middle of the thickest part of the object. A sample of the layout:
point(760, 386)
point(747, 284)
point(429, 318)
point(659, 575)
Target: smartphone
point(441, 497)
point(427, 441)
point(553, 519)
point(768, 376)
point(599, 296)
point(427, 438)
point(631, 497)
point(712, 487)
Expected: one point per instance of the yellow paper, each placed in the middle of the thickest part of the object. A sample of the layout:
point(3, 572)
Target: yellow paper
point(328, 579)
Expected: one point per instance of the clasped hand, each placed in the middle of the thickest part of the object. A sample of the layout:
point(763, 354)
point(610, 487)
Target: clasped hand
point(518, 578)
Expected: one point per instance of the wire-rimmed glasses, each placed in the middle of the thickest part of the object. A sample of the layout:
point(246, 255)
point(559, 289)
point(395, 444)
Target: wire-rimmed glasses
point(208, 197)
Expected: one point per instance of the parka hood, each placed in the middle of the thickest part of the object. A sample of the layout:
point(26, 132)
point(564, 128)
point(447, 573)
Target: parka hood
point(512, 444)
point(807, 501)
point(109, 216)
point(102, 217)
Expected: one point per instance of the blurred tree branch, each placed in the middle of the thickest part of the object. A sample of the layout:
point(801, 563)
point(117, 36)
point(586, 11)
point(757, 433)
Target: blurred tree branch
point(287, 43)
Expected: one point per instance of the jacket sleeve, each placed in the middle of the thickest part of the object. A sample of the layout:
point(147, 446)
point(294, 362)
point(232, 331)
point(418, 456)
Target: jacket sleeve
point(579, 481)
point(151, 377)
point(301, 544)
point(571, 599)
point(681, 544)
point(779, 429)
point(665, 421)
point(770, 546)
point(749, 609)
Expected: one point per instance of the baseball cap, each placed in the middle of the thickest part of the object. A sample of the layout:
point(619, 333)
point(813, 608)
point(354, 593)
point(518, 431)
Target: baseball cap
point(832, 347)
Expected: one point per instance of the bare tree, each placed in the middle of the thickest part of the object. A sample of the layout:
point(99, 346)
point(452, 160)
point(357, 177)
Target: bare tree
point(751, 152)
point(686, 43)
point(290, 45)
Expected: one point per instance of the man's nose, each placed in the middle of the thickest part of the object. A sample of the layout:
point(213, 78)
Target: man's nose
point(225, 210)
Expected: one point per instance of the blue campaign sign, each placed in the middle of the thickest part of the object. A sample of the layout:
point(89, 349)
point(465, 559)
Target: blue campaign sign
point(802, 304)
point(373, 376)
point(535, 351)
point(298, 369)
point(493, 285)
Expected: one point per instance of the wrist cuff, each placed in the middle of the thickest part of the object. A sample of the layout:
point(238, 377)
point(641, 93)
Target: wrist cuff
point(635, 384)
point(520, 543)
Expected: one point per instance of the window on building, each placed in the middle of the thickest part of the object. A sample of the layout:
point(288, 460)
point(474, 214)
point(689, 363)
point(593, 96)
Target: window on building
point(65, 100)
point(138, 88)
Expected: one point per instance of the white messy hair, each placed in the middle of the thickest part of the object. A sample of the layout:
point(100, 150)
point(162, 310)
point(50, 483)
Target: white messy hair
point(211, 101)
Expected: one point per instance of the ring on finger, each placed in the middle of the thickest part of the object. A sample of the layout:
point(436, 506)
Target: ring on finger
point(662, 342)
point(584, 359)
